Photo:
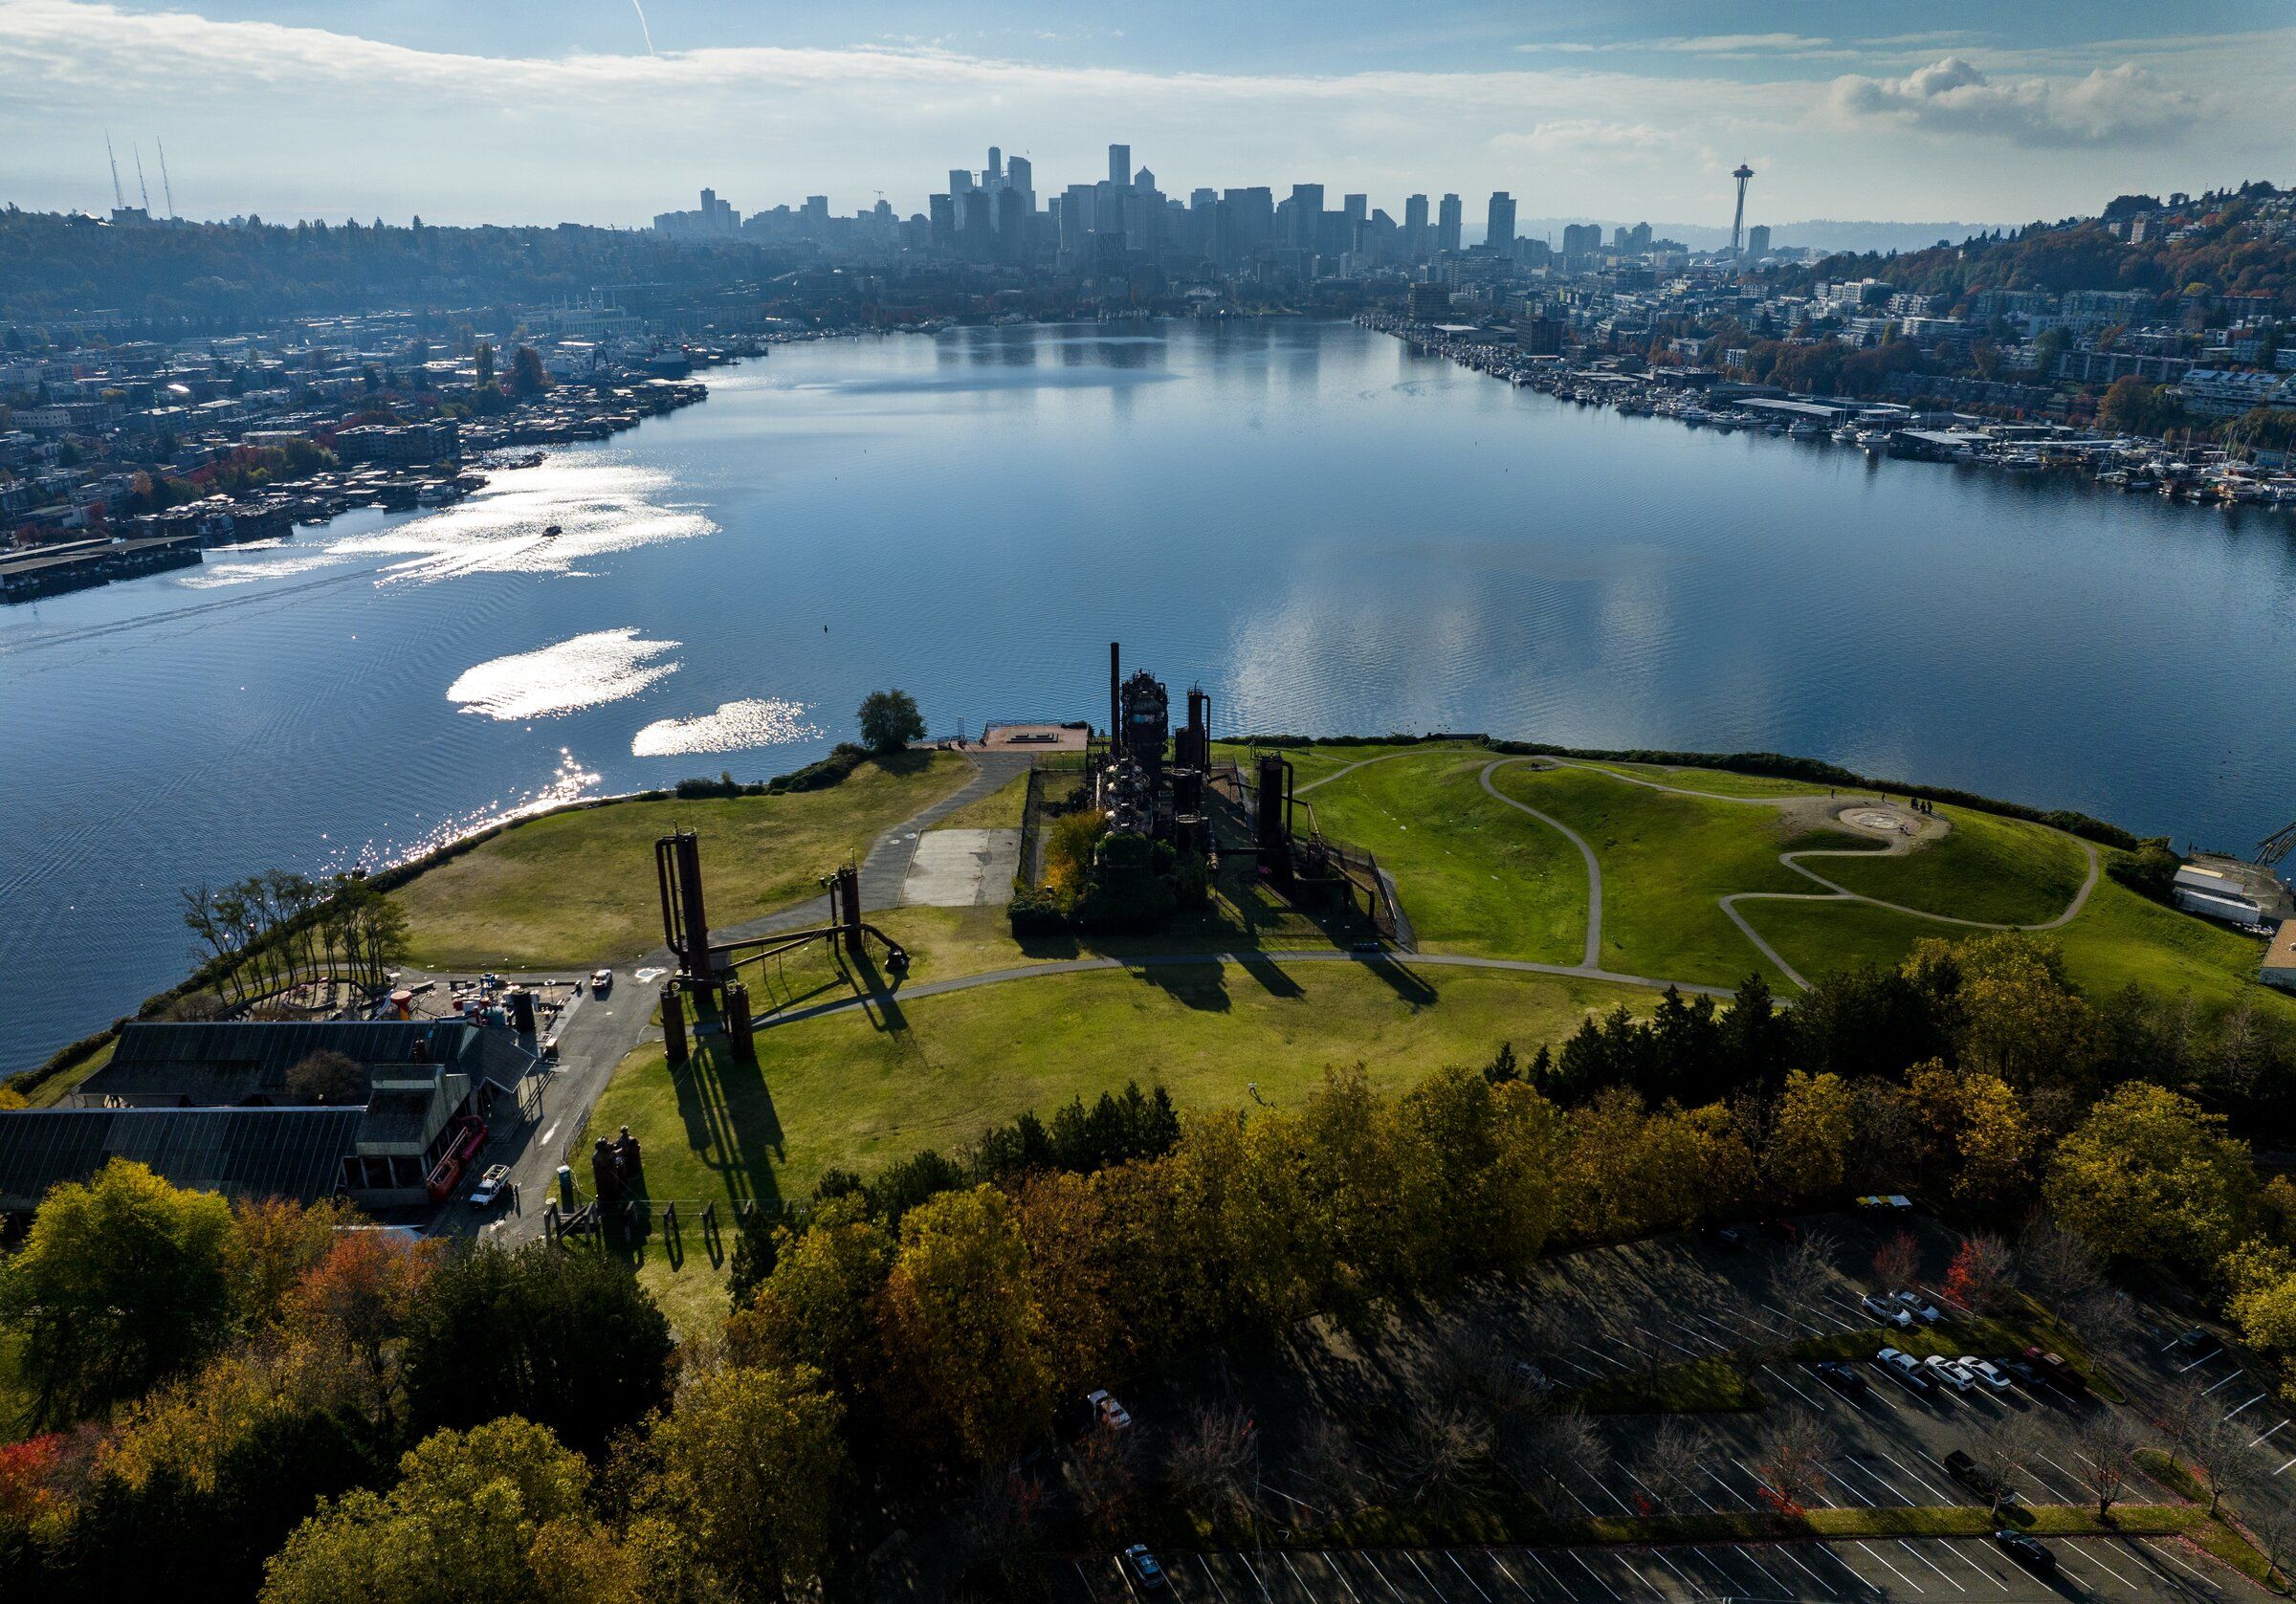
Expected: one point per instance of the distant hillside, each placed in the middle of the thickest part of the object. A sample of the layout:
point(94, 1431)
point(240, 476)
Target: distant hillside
point(1821, 233)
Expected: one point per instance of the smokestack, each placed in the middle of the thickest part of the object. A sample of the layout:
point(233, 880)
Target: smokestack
point(1114, 689)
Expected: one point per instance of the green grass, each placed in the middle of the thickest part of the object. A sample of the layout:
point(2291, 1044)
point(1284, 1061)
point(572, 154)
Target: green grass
point(1699, 1387)
point(578, 888)
point(1475, 874)
point(1667, 860)
point(1722, 782)
point(999, 810)
point(56, 1087)
point(861, 1092)
point(1985, 867)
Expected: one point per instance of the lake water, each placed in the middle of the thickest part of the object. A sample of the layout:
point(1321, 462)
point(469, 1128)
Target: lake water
point(1328, 532)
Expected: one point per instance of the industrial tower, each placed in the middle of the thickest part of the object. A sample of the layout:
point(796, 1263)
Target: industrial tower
point(1738, 220)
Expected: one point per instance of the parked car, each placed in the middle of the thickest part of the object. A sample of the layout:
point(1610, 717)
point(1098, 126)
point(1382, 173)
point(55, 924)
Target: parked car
point(1977, 1478)
point(1841, 1378)
point(1533, 1377)
point(1920, 1307)
point(2055, 1370)
point(1887, 1310)
point(2026, 1375)
point(1108, 1411)
point(1141, 1566)
point(1906, 1369)
point(2026, 1552)
point(1784, 1230)
point(1949, 1371)
point(1729, 1238)
point(2195, 1342)
point(493, 1187)
point(1986, 1370)
point(602, 982)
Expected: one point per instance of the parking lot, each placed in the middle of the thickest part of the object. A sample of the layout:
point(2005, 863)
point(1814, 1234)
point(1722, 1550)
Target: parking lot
point(2103, 1568)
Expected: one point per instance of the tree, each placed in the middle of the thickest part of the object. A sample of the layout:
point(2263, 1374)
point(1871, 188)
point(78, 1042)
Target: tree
point(963, 1338)
point(466, 1519)
point(527, 376)
point(1791, 1457)
point(1895, 1260)
point(2149, 1175)
point(890, 720)
point(327, 1076)
point(124, 1281)
point(816, 1307)
point(2218, 1449)
point(2005, 1451)
point(482, 363)
point(569, 1340)
point(2108, 1445)
point(1978, 1278)
point(1810, 1136)
point(747, 1468)
point(1805, 1277)
point(1673, 1465)
point(354, 1305)
point(1214, 1460)
point(277, 1241)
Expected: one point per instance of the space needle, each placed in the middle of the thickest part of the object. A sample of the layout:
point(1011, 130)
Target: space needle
point(1737, 221)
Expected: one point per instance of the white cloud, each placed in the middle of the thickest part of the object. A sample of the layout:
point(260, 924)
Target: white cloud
point(1954, 95)
point(1581, 136)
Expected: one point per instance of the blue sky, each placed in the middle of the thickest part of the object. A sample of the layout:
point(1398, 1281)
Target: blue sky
point(513, 110)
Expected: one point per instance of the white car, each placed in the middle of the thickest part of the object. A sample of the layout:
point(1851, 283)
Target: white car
point(1949, 1371)
point(1906, 1368)
point(1921, 1308)
point(602, 982)
point(1886, 1309)
point(492, 1188)
point(1112, 1414)
point(1987, 1371)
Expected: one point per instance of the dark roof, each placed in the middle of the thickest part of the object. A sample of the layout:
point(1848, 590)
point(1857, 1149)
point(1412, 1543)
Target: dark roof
point(259, 1152)
point(396, 1117)
point(217, 1064)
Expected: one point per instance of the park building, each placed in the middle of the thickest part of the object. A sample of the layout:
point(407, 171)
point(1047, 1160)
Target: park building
point(386, 1114)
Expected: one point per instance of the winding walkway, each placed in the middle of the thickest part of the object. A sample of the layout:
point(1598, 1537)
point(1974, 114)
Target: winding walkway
point(1835, 891)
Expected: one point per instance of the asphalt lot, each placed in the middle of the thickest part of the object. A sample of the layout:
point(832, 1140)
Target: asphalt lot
point(2099, 1569)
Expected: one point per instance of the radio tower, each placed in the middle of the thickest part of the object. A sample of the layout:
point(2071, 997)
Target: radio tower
point(1737, 221)
point(118, 199)
point(166, 188)
point(142, 189)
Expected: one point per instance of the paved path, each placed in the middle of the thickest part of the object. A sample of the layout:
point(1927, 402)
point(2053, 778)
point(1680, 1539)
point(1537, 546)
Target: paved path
point(1594, 869)
point(1834, 891)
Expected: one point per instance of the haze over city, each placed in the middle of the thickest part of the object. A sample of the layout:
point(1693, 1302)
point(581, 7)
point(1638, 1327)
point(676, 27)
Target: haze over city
point(601, 112)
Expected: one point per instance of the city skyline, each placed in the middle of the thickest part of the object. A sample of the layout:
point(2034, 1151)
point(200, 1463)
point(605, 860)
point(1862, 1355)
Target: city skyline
point(1613, 114)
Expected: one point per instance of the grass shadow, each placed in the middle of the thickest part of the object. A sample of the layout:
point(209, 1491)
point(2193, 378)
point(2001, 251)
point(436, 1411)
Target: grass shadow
point(1201, 986)
point(730, 1124)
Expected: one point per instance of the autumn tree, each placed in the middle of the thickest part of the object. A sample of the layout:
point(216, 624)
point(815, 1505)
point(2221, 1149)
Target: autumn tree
point(1974, 1128)
point(2108, 1444)
point(1791, 1457)
point(747, 1467)
point(1806, 1156)
point(2149, 1175)
point(124, 1280)
point(327, 1076)
point(1213, 1459)
point(1896, 1260)
point(963, 1339)
point(528, 378)
point(816, 1309)
point(276, 1241)
point(1979, 1276)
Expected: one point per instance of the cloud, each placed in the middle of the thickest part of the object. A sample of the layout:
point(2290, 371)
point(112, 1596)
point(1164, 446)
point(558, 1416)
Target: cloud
point(1581, 136)
point(1955, 95)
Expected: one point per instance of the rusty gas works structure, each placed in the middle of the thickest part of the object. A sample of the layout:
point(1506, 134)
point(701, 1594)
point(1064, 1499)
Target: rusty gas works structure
point(710, 971)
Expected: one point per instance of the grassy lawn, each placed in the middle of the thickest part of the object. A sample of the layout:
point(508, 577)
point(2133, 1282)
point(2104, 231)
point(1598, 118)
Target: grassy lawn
point(56, 1087)
point(2000, 870)
point(1665, 861)
point(1699, 1386)
point(1721, 782)
point(999, 810)
point(578, 888)
point(860, 1092)
point(1475, 874)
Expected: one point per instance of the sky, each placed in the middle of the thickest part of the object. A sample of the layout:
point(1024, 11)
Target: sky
point(608, 111)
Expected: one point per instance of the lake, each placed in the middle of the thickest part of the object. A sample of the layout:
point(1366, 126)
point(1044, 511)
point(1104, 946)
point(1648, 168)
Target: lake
point(1329, 533)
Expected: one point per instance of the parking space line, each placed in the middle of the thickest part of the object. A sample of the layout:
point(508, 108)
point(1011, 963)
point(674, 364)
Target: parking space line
point(1762, 1486)
point(1946, 1493)
point(1206, 1565)
point(1296, 1576)
point(1657, 1503)
point(2099, 1563)
point(1748, 1555)
point(1716, 1565)
point(1963, 1555)
point(1660, 1556)
point(2204, 1358)
point(1786, 1552)
point(1331, 1565)
point(1726, 1487)
point(1892, 1568)
point(1470, 1581)
point(1532, 1555)
point(2174, 1558)
point(1371, 1559)
point(2227, 1381)
point(2087, 1586)
point(1816, 1403)
point(2036, 1476)
point(2259, 1398)
point(1855, 1464)
point(1116, 1563)
point(1496, 1560)
point(2261, 1436)
point(1592, 1571)
point(1930, 1563)
point(1255, 1575)
point(1424, 1578)
point(1090, 1592)
point(1849, 1488)
point(2285, 1465)
point(1612, 1358)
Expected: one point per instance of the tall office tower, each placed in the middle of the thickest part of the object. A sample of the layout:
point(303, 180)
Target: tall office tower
point(1415, 224)
point(1250, 221)
point(943, 210)
point(993, 178)
point(1498, 225)
point(1757, 240)
point(1143, 180)
point(1020, 175)
point(1119, 164)
point(1011, 220)
point(1580, 240)
point(1358, 209)
point(1447, 219)
point(1307, 215)
point(1639, 241)
point(1075, 215)
point(1618, 236)
point(961, 184)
